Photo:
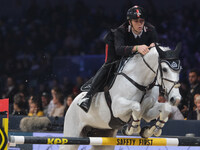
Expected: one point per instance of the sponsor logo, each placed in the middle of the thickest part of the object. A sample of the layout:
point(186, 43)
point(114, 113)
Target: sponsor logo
point(145, 142)
point(174, 65)
point(125, 141)
point(57, 141)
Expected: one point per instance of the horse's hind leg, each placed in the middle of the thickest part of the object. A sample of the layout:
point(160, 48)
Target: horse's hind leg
point(71, 132)
point(161, 110)
point(72, 128)
point(69, 147)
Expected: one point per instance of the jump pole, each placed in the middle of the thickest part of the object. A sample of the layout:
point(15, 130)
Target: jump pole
point(180, 141)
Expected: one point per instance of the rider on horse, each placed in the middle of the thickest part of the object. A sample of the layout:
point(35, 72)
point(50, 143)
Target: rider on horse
point(135, 35)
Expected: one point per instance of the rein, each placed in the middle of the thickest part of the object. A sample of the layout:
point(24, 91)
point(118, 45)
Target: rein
point(141, 87)
point(150, 86)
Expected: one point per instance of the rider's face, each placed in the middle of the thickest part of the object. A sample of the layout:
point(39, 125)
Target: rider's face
point(137, 25)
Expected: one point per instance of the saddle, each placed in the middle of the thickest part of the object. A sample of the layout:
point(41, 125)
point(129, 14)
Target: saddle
point(108, 81)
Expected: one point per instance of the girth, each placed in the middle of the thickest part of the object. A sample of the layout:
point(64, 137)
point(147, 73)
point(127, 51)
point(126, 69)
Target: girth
point(115, 123)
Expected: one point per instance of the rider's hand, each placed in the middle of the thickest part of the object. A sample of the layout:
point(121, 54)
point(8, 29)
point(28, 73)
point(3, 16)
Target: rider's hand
point(152, 45)
point(142, 49)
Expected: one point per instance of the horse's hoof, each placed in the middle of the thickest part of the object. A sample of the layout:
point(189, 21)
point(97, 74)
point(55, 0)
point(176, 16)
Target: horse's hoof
point(144, 132)
point(124, 128)
point(137, 130)
point(157, 132)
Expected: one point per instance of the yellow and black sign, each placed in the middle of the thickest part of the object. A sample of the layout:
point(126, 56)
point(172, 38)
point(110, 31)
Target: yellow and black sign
point(4, 103)
point(4, 134)
point(134, 141)
point(3, 139)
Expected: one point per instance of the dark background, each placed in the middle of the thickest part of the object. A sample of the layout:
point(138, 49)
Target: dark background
point(46, 43)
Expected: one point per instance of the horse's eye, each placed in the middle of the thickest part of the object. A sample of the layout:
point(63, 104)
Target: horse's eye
point(164, 69)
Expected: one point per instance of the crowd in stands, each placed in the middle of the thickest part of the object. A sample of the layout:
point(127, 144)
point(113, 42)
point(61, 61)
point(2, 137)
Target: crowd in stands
point(30, 43)
point(54, 105)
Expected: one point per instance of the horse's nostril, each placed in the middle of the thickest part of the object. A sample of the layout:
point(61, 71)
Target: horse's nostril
point(172, 100)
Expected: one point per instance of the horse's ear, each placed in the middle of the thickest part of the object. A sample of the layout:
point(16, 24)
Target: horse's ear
point(160, 51)
point(178, 49)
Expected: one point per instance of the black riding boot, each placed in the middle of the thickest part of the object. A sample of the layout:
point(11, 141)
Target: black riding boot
point(96, 84)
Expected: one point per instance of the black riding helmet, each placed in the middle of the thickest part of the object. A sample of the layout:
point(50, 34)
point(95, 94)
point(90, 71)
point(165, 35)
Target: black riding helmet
point(135, 12)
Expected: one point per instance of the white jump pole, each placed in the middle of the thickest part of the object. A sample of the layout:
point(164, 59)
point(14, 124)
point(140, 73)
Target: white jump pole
point(179, 141)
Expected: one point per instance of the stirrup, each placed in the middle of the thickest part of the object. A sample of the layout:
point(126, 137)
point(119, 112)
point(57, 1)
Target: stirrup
point(85, 104)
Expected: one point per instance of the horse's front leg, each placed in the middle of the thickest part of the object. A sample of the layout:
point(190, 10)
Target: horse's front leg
point(147, 103)
point(133, 126)
point(166, 110)
point(160, 111)
point(125, 107)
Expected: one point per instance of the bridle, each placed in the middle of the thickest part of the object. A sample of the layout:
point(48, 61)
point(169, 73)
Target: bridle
point(161, 86)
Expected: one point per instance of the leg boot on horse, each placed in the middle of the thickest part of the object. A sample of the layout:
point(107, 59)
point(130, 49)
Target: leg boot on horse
point(160, 111)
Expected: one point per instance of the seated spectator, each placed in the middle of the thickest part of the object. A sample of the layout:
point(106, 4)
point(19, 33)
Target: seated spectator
point(9, 92)
point(195, 114)
point(18, 107)
point(23, 89)
point(68, 100)
point(58, 101)
point(188, 100)
point(10, 89)
point(175, 114)
point(45, 102)
point(34, 107)
point(76, 88)
point(51, 104)
point(30, 100)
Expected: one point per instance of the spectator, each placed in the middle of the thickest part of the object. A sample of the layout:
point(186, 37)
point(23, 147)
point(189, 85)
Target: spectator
point(188, 101)
point(183, 89)
point(161, 99)
point(9, 92)
point(45, 102)
point(34, 107)
point(175, 114)
point(51, 105)
point(67, 86)
point(195, 114)
point(58, 101)
point(79, 83)
point(68, 100)
point(23, 89)
point(30, 100)
point(19, 105)
point(199, 77)
point(10, 89)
